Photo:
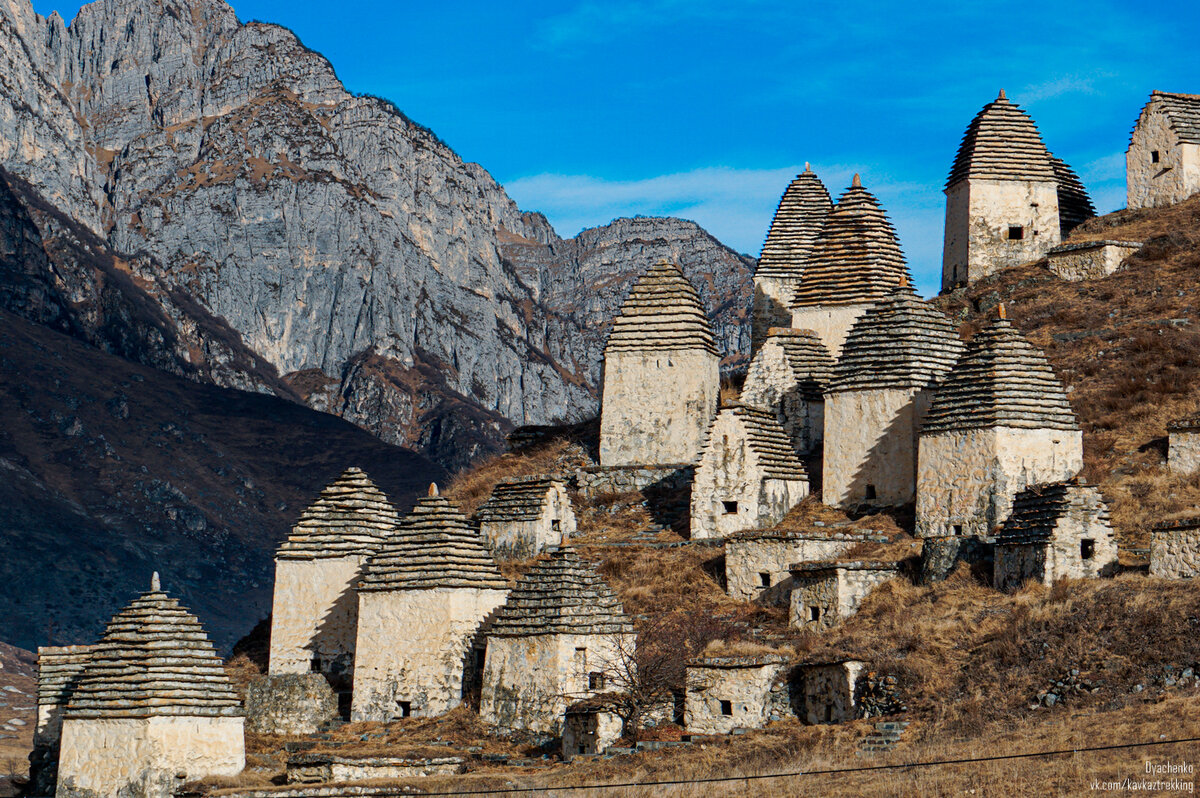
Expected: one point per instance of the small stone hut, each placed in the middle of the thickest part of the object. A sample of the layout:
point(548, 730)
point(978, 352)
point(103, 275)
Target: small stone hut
point(525, 515)
point(824, 593)
point(830, 691)
point(152, 708)
point(788, 376)
point(562, 637)
point(731, 692)
point(1175, 549)
point(999, 422)
point(314, 614)
point(59, 670)
point(421, 601)
point(894, 357)
point(748, 476)
point(1183, 449)
point(1008, 199)
point(1056, 531)
point(854, 262)
point(798, 219)
point(1162, 164)
point(661, 374)
point(1090, 260)
point(589, 727)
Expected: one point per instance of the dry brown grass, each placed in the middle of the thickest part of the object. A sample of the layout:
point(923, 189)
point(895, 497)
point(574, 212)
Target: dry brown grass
point(743, 648)
point(472, 487)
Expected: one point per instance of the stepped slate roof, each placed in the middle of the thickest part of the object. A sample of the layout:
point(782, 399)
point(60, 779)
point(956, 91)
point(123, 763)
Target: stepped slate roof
point(808, 357)
point(154, 659)
point(1002, 143)
point(1074, 205)
point(561, 595)
point(517, 499)
point(856, 256)
point(351, 517)
point(1182, 111)
point(1001, 381)
point(436, 546)
point(899, 342)
point(59, 670)
point(662, 312)
point(766, 438)
point(1038, 509)
point(798, 219)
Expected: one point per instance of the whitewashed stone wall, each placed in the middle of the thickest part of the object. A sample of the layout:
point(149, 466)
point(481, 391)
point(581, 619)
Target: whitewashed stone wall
point(1090, 260)
point(772, 299)
point(750, 558)
point(656, 406)
point(1174, 178)
point(834, 592)
point(589, 732)
point(1059, 558)
point(146, 757)
point(770, 385)
point(555, 525)
point(729, 693)
point(412, 648)
point(829, 692)
point(315, 614)
point(871, 440)
point(831, 323)
point(978, 216)
point(289, 703)
point(966, 480)
point(1175, 553)
point(1183, 453)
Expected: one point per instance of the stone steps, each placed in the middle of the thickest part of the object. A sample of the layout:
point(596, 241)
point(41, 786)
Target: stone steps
point(883, 739)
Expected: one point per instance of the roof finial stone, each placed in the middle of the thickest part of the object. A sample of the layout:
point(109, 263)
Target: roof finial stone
point(1001, 95)
point(807, 168)
point(1001, 313)
point(155, 584)
point(857, 182)
point(433, 489)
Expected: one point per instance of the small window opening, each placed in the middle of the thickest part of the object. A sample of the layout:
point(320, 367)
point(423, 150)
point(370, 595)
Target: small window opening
point(870, 494)
point(596, 681)
point(1154, 156)
point(958, 529)
point(316, 665)
point(556, 525)
point(814, 613)
point(765, 578)
point(405, 709)
point(829, 713)
point(1087, 549)
point(1016, 232)
point(726, 707)
point(583, 749)
point(730, 508)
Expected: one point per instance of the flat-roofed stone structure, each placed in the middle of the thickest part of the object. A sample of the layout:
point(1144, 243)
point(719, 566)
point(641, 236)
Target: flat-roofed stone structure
point(661, 374)
point(1056, 531)
point(1175, 549)
point(829, 691)
point(788, 376)
point(1000, 421)
point(748, 475)
point(59, 670)
point(561, 637)
point(855, 261)
point(1090, 260)
point(1162, 164)
point(894, 357)
point(757, 562)
point(827, 592)
point(1183, 447)
point(314, 613)
point(589, 727)
point(525, 515)
point(730, 692)
point(1008, 200)
point(152, 708)
point(421, 601)
point(798, 219)
point(290, 703)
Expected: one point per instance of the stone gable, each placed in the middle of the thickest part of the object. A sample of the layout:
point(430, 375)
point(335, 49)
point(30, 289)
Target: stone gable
point(525, 515)
point(788, 376)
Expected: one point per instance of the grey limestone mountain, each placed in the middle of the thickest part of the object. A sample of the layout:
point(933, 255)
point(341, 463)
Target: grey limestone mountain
point(380, 276)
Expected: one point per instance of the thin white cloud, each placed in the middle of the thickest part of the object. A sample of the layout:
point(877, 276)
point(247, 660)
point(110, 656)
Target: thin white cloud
point(1058, 87)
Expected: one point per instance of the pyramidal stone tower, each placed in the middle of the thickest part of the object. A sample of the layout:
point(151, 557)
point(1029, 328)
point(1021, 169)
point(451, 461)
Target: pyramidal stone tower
point(561, 637)
point(854, 262)
point(421, 601)
point(315, 611)
point(151, 709)
point(999, 422)
point(661, 374)
point(894, 357)
point(798, 219)
point(1162, 164)
point(788, 376)
point(1008, 200)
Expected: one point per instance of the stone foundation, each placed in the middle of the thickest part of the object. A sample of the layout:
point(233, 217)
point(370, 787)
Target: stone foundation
point(1175, 550)
point(327, 768)
point(941, 555)
point(292, 703)
point(601, 480)
point(1090, 260)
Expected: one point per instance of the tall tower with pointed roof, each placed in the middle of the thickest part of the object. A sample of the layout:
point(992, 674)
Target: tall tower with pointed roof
point(421, 601)
point(1008, 199)
point(999, 422)
point(1162, 164)
point(661, 374)
point(151, 708)
point(314, 617)
point(894, 357)
point(855, 260)
point(798, 219)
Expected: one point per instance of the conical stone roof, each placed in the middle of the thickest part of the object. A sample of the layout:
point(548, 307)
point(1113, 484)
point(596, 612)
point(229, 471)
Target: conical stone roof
point(662, 312)
point(798, 219)
point(351, 517)
point(899, 342)
point(436, 546)
point(766, 438)
point(806, 355)
point(1000, 381)
point(561, 595)
point(1002, 143)
point(1182, 112)
point(517, 499)
point(1038, 509)
point(154, 659)
point(856, 257)
point(1074, 205)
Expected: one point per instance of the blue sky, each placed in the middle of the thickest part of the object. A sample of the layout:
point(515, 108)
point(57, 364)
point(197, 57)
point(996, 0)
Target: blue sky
point(591, 110)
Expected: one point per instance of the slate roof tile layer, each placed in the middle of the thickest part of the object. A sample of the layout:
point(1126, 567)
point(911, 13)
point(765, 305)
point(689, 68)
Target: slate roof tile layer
point(59, 671)
point(154, 659)
point(1001, 381)
point(351, 517)
point(856, 257)
point(662, 312)
point(1182, 111)
point(1002, 143)
point(899, 342)
point(561, 595)
point(766, 438)
point(798, 219)
point(1074, 205)
point(517, 499)
point(435, 547)
point(807, 356)
point(1038, 509)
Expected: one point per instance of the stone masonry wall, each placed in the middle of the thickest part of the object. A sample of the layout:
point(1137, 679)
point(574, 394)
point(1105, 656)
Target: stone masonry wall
point(770, 385)
point(836, 593)
point(1183, 454)
point(829, 692)
point(1173, 179)
point(772, 298)
point(589, 733)
point(526, 538)
point(597, 481)
point(831, 323)
point(315, 614)
point(1090, 260)
point(1060, 557)
point(748, 558)
point(289, 703)
point(985, 209)
point(1175, 553)
point(745, 691)
point(871, 440)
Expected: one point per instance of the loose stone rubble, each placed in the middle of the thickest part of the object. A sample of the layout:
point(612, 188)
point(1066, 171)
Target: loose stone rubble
point(526, 515)
point(825, 592)
point(788, 376)
point(1162, 164)
point(1175, 549)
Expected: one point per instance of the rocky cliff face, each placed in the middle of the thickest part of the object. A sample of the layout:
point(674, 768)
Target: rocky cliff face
point(384, 278)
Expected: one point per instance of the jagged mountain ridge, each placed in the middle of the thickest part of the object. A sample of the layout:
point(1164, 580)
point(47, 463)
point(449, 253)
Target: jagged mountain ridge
point(385, 279)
